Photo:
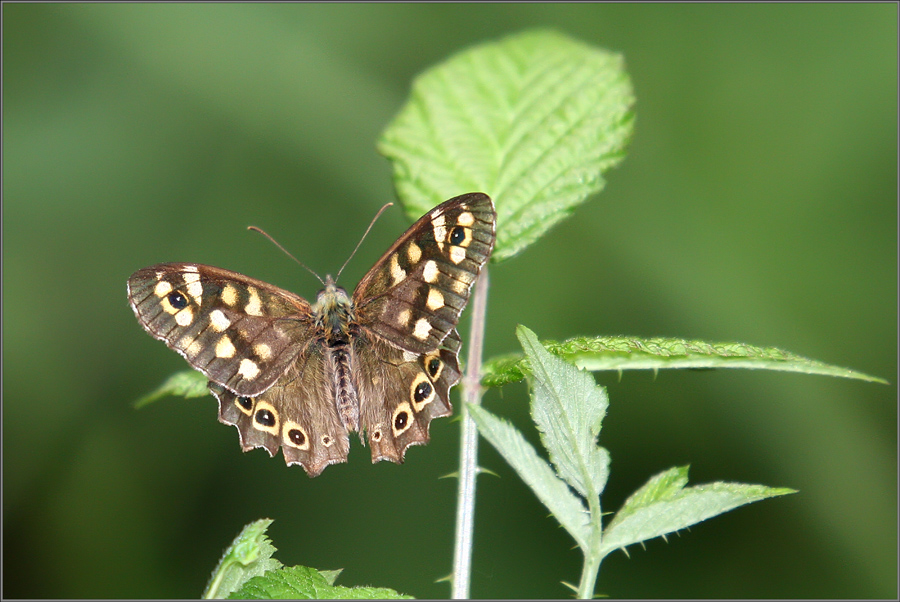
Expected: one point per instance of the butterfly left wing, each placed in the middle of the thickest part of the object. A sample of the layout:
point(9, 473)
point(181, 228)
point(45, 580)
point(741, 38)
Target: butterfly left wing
point(297, 414)
point(239, 332)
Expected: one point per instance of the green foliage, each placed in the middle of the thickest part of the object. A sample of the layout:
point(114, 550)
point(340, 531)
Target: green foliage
point(633, 353)
point(187, 384)
point(305, 583)
point(664, 505)
point(248, 556)
point(248, 571)
point(533, 120)
point(568, 409)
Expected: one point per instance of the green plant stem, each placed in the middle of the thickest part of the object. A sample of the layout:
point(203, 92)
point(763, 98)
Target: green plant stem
point(592, 556)
point(468, 458)
point(589, 571)
point(212, 590)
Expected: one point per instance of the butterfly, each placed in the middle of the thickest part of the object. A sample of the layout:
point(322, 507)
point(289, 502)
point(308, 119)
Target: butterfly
point(299, 376)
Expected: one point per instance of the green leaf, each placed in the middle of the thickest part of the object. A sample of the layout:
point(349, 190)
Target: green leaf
point(248, 556)
point(664, 505)
point(533, 120)
point(568, 407)
point(632, 353)
point(536, 473)
point(189, 383)
point(305, 583)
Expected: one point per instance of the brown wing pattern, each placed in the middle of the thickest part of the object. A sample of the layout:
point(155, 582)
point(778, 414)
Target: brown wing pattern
point(239, 332)
point(414, 294)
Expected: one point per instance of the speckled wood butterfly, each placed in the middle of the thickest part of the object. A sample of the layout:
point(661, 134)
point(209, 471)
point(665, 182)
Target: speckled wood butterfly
point(301, 377)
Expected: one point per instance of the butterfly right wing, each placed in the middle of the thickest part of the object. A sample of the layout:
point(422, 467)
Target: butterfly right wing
point(241, 333)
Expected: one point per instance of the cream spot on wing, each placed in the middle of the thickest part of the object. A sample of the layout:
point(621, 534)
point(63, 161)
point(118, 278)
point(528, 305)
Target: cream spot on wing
point(440, 230)
point(414, 253)
point(422, 329)
point(397, 273)
point(229, 295)
point(162, 289)
point(195, 289)
point(249, 370)
point(262, 351)
point(465, 219)
point(457, 254)
point(224, 348)
point(430, 273)
point(218, 320)
point(442, 233)
point(190, 268)
point(190, 276)
point(254, 305)
point(409, 356)
point(460, 286)
point(185, 316)
point(435, 299)
point(194, 348)
point(403, 317)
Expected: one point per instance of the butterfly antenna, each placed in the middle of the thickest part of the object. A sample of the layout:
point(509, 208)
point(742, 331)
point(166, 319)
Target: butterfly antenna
point(277, 244)
point(374, 219)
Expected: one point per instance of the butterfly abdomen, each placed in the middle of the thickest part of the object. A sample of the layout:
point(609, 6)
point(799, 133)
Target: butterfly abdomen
point(346, 399)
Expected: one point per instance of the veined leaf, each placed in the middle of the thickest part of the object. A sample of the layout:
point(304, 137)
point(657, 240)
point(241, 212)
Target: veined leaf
point(568, 407)
point(533, 120)
point(633, 353)
point(301, 582)
point(536, 473)
point(665, 505)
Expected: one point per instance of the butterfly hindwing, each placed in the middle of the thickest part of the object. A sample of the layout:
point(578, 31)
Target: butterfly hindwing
point(402, 393)
point(297, 414)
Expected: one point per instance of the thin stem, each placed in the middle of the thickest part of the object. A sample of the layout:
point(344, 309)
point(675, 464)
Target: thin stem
point(589, 570)
point(592, 556)
point(468, 459)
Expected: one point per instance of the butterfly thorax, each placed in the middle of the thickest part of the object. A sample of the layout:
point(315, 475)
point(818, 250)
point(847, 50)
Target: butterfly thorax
point(333, 313)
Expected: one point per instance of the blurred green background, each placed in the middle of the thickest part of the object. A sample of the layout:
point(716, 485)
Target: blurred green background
point(758, 203)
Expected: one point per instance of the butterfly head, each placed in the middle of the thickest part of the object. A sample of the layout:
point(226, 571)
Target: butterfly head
point(333, 311)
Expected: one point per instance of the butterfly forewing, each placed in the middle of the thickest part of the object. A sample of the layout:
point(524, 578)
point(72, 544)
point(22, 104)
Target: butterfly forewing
point(240, 332)
point(414, 294)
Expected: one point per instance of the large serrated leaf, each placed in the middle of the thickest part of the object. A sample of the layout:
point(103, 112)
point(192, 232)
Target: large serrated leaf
point(633, 353)
point(568, 407)
point(533, 120)
point(664, 505)
point(305, 583)
point(536, 473)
